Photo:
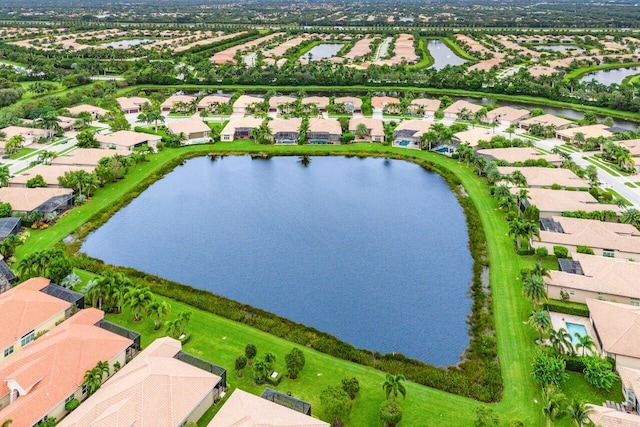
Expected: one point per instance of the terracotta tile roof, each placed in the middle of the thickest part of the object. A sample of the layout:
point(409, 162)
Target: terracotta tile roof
point(548, 200)
point(88, 108)
point(374, 125)
point(332, 126)
point(382, 101)
point(458, 106)
point(188, 126)
point(243, 409)
point(319, 101)
point(609, 417)
point(546, 177)
point(427, 104)
point(24, 307)
point(62, 356)
point(547, 119)
point(474, 136)
point(595, 234)
point(284, 125)
point(509, 114)
point(27, 199)
point(418, 126)
point(209, 100)
point(276, 101)
point(127, 138)
point(519, 154)
point(173, 99)
point(245, 100)
point(87, 156)
point(356, 102)
point(152, 390)
point(592, 131)
point(49, 173)
point(618, 326)
point(132, 102)
point(612, 276)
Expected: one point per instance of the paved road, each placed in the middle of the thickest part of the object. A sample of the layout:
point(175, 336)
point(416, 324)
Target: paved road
point(617, 183)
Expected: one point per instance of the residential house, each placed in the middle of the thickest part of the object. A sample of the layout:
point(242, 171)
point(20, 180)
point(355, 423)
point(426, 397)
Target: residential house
point(591, 131)
point(351, 103)
point(506, 116)
point(25, 311)
point(617, 330)
point(244, 101)
point(45, 200)
point(162, 386)
point(546, 120)
point(537, 177)
point(240, 128)
point(66, 123)
point(630, 379)
point(36, 384)
point(374, 127)
point(133, 104)
point(608, 239)
point(515, 155)
point(324, 131)
point(282, 104)
point(127, 140)
point(424, 107)
point(30, 135)
point(85, 108)
point(611, 417)
point(409, 132)
point(178, 103)
point(386, 104)
point(211, 102)
point(633, 145)
point(321, 102)
point(285, 131)
point(194, 129)
point(87, 156)
point(554, 202)
point(473, 136)
point(243, 408)
point(8, 226)
point(453, 111)
point(590, 276)
point(49, 173)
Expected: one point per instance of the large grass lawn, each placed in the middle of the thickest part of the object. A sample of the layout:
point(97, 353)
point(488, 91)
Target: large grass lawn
point(221, 340)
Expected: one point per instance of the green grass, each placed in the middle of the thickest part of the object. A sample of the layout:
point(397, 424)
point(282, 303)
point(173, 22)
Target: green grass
point(455, 47)
point(578, 388)
point(306, 48)
point(617, 195)
point(221, 340)
point(426, 58)
point(30, 95)
point(601, 165)
point(635, 79)
point(581, 72)
point(23, 153)
point(631, 184)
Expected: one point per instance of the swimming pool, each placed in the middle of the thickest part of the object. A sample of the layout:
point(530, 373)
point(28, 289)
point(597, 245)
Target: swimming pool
point(575, 328)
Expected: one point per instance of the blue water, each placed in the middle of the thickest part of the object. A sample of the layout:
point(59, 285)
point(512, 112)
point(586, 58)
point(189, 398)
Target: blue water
point(574, 328)
point(611, 76)
point(373, 251)
point(442, 55)
point(323, 51)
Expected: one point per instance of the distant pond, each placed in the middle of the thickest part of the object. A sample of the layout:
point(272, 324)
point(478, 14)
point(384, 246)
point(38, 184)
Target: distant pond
point(127, 43)
point(323, 51)
point(443, 55)
point(373, 251)
point(611, 76)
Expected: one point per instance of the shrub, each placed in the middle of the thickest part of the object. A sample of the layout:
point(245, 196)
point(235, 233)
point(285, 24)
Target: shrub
point(556, 187)
point(567, 308)
point(581, 249)
point(560, 251)
point(351, 385)
point(598, 372)
point(542, 252)
point(250, 351)
point(72, 404)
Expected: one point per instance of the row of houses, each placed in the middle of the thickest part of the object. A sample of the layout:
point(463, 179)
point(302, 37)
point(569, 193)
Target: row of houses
point(49, 341)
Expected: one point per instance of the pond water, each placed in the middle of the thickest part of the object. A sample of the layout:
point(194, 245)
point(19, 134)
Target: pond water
point(556, 47)
point(127, 43)
point(323, 51)
point(373, 251)
point(443, 55)
point(609, 77)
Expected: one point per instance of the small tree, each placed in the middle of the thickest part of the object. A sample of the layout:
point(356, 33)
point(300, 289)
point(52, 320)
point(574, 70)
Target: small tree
point(87, 139)
point(241, 362)
point(250, 351)
point(336, 404)
point(549, 370)
point(393, 386)
point(58, 269)
point(36, 182)
point(295, 362)
point(390, 413)
point(351, 385)
point(598, 373)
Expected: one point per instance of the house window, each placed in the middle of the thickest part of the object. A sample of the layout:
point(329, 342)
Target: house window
point(572, 293)
point(634, 301)
point(27, 338)
point(84, 389)
point(8, 351)
point(69, 399)
point(608, 253)
point(600, 296)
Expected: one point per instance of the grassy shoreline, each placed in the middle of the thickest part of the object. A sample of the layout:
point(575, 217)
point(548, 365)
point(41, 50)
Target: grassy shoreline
point(455, 47)
point(426, 58)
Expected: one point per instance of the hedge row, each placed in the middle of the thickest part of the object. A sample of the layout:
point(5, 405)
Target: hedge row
point(567, 308)
point(478, 376)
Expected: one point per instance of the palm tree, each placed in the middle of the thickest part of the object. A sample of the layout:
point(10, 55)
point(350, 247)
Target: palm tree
point(92, 380)
point(154, 116)
point(541, 321)
point(14, 144)
point(393, 386)
point(564, 340)
point(51, 122)
point(6, 423)
point(104, 368)
point(585, 342)
point(534, 289)
point(429, 138)
point(157, 310)
point(516, 229)
point(260, 369)
point(361, 131)
point(579, 412)
point(4, 175)
point(138, 299)
point(631, 216)
point(173, 328)
point(552, 404)
point(540, 270)
point(518, 179)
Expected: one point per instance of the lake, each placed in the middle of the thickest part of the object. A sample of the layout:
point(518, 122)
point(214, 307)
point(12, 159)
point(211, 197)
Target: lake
point(323, 51)
point(443, 55)
point(609, 77)
point(373, 251)
point(555, 47)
